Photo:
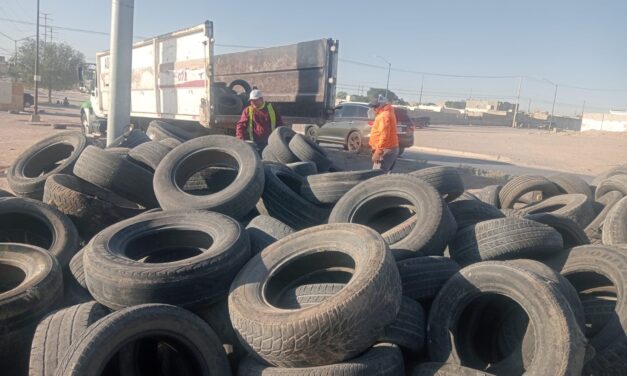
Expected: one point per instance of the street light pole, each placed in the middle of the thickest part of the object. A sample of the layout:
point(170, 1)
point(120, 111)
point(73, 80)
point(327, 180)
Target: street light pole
point(387, 85)
point(517, 101)
point(553, 107)
point(422, 82)
point(35, 116)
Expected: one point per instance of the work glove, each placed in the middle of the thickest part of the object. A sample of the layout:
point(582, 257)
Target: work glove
point(377, 155)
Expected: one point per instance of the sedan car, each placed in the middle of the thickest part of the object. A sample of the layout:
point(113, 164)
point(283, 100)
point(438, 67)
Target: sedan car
point(351, 125)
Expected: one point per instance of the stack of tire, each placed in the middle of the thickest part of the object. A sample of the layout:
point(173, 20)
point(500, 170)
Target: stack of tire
point(184, 255)
point(297, 152)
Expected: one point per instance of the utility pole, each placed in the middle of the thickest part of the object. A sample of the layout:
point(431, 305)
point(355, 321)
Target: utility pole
point(37, 78)
point(529, 107)
point(583, 108)
point(387, 85)
point(422, 82)
point(553, 107)
point(121, 68)
point(517, 101)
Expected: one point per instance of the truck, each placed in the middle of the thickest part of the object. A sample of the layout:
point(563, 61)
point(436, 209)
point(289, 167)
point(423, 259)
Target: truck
point(177, 78)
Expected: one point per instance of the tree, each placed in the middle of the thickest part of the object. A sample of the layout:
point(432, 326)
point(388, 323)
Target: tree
point(460, 105)
point(374, 92)
point(341, 94)
point(58, 65)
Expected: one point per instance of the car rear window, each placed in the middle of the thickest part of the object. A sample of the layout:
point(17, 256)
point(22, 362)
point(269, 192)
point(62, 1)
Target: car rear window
point(402, 116)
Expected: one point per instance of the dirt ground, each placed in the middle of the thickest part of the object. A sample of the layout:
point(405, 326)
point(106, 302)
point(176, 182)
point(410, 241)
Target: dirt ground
point(586, 153)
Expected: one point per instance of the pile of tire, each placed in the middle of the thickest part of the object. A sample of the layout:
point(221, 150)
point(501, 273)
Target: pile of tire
point(183, 255)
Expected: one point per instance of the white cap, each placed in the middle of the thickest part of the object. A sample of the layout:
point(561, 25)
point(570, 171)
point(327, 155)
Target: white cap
point(255, 94)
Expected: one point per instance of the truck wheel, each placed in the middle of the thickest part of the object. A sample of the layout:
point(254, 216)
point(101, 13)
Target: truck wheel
point(354, 142)
point(241, 83)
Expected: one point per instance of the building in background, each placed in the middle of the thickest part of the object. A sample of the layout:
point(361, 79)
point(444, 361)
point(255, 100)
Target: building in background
point(614, 121)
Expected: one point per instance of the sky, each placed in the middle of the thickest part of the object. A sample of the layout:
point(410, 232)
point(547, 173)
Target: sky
point(576, 45)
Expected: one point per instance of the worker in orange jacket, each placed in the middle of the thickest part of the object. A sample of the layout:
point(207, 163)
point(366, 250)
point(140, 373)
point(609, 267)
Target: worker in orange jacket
point(383, 137)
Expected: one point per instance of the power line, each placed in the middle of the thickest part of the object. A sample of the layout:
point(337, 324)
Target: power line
point(65, 28)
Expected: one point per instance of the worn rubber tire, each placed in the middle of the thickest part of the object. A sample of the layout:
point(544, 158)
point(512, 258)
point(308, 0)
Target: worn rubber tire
point(130, 139)
point(521, 185)
point(27, 221)
point(445, 369)
point(236, 200)
point(303, 168)
point(219, 246)
point(88, 206)
point(159, 130)
point(56, 333)
point(618, 170)
point(575, 206)
point(328, 188)
point(308, 151)
point(383, 359)
point(53, 155)
point(572, 234)
point(264, 230)
point(613, 183)
point(281, 199)
point(615, 225)
point(446, 180)
point(170, 142)
point(279, 143)
point(598, 310)
point(149, 154)
point(504, 239)
point(74, 287)
point(116, 174)
point(24, 301)
point(268, 155)
point(490, 195)
point(4, 193)
point(571, 183)
point(607, 201)
point(309, 295)
point(580, 265)
point(90, 353)
point(333, 331)
point(409, 330)
point(471, 212)
point(423, 277)
point(560, 344)
point(435, 225)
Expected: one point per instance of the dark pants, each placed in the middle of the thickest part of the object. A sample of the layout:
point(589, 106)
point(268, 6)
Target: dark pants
point(387, 161)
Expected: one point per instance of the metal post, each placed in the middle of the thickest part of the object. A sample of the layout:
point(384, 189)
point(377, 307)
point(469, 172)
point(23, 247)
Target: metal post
point(422, 83)
point(553, 108)
point(517, 101)
point(529, 107)
point(583, 108)
point(121, 69)
point(387, 85)
point(35, 116)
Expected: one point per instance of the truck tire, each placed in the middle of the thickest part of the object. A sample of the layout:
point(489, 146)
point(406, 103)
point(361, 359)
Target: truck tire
point(333, 331)
point(149, 154)
point(53, 155)
point(303, 168)
point(588, 267)
point(267, 154)
point(264, 230)
point(367, 203)
point(279, 143)
point(521, 185)
point(446, 180)
point(383, 359)
point(446, 369)
point(195, 344)
point(328, 188)
point(409, 329)
point(27, 221)
point(242, 83)
point(236, 199)
point(173, 257)
point(4, 193)
point(575, 206)
point(89, 207)
point(504, 239)
point(615, 225)
point(598, 310)
point(423, 277)
point(572, 234)
point(490, 195)
point(560, 344)
point(471, 212)
point(31, 284)
point(74, 287)
point(613, 183)
point(571, 183)
point(116, 174)
point(608, 200)
point(618, 170)
point(281, 199)
point(57, 332)
point(123, 152)
point(159, 130)
point(170, 142)
point(308, 151)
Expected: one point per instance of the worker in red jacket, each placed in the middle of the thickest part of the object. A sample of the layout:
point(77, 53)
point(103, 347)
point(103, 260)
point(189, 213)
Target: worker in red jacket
point(258, 120)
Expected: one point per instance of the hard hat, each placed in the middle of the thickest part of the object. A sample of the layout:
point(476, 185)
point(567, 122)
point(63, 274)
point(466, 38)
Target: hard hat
point(255, 94)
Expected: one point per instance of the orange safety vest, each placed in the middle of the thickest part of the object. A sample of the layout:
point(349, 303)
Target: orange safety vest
point(272, 114)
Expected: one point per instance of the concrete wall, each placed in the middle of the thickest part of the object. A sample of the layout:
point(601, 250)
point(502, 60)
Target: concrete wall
point(11, 96)
point(604, 122)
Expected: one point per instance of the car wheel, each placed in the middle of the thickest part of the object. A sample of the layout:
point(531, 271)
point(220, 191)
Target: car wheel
point(311, 133)
point(85, 122)
point(354, 142)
